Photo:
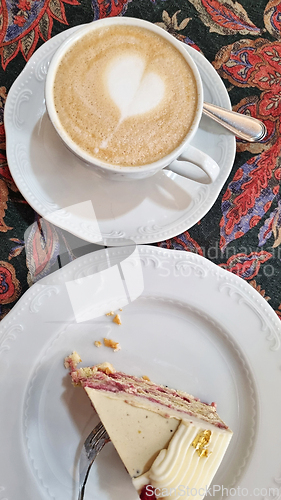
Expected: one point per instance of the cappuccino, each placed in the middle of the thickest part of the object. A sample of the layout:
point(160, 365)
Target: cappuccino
point(125, 95)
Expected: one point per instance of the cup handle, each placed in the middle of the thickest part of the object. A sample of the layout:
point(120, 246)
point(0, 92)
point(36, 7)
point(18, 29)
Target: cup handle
point(188, 162)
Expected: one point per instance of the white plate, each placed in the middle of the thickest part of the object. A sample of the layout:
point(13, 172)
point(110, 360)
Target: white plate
point(196, 327)
point(51, 178)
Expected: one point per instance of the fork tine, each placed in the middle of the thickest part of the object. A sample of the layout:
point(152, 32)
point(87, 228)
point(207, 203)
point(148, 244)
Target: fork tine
point(91, 441)
point(93, 444)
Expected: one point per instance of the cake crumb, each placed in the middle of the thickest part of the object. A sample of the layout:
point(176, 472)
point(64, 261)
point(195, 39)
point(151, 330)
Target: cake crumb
point(72, 361)
point(110, 343)
point(117, 320)
point(120, 309)
point(106, 368)
point(111, 313)
point(97, 343)
point(145, 377)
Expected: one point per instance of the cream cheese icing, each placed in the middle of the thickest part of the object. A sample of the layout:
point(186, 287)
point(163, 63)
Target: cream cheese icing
point(180, 466)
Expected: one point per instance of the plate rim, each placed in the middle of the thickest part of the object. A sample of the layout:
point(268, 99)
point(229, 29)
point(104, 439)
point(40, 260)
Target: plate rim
point(193, 258)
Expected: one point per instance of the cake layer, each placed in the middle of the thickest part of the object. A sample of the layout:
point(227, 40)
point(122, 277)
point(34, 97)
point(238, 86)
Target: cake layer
point(143, 393)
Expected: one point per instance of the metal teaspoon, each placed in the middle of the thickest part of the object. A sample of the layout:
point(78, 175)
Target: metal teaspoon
point(246, 127)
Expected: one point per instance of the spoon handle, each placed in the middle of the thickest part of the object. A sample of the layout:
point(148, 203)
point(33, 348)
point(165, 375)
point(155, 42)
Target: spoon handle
point(243, 126)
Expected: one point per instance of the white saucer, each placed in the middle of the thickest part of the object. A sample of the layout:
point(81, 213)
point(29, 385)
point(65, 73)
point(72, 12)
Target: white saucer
point(51, 178)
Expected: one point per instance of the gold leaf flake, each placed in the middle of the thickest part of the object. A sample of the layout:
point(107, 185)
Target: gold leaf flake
point(201, 443)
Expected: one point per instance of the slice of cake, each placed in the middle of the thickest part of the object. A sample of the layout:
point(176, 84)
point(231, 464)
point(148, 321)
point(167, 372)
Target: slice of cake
point(170, 442)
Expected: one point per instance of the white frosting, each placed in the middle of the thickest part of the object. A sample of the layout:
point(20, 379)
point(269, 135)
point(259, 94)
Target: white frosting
point(133, 89)
point(179, 466)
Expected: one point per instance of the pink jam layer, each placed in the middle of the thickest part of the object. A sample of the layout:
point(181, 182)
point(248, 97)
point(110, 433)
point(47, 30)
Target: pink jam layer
point(121, 383)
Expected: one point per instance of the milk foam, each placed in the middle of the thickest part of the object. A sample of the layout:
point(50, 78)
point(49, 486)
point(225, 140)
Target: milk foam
point(125, 95)
point(132, 88)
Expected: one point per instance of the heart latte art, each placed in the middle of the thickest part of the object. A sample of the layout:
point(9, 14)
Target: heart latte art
point(125, 95)
point(133, 89)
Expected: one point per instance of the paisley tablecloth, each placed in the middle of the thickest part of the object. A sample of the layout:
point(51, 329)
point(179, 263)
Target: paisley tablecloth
point(242, 231)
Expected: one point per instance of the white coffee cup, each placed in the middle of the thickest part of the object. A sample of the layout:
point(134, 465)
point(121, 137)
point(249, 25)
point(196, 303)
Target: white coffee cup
point(178, 159)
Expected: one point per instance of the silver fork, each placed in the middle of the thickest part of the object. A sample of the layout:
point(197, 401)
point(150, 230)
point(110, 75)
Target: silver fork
point(91, 448)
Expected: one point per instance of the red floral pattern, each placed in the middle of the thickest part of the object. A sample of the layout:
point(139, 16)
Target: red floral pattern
point(251, 106)
point(272, 17)
point(20, 20)
point(9, 284)
point(183, 242)
point(246, 266)
point(23, 22)
point(250, 194)
point(225, 17)
point(256, 183)
point(24, 5)
point(109, 8)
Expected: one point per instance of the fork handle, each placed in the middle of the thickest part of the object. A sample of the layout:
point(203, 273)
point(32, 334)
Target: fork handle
point(93, 455)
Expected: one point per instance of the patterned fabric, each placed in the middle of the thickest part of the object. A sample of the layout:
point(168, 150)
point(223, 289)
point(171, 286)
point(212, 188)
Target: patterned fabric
point(242, 231)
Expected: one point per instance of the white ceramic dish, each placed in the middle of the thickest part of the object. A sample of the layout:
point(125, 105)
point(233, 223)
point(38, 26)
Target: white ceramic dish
point(52, 179)
point(196, 327)
point(117, 171)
